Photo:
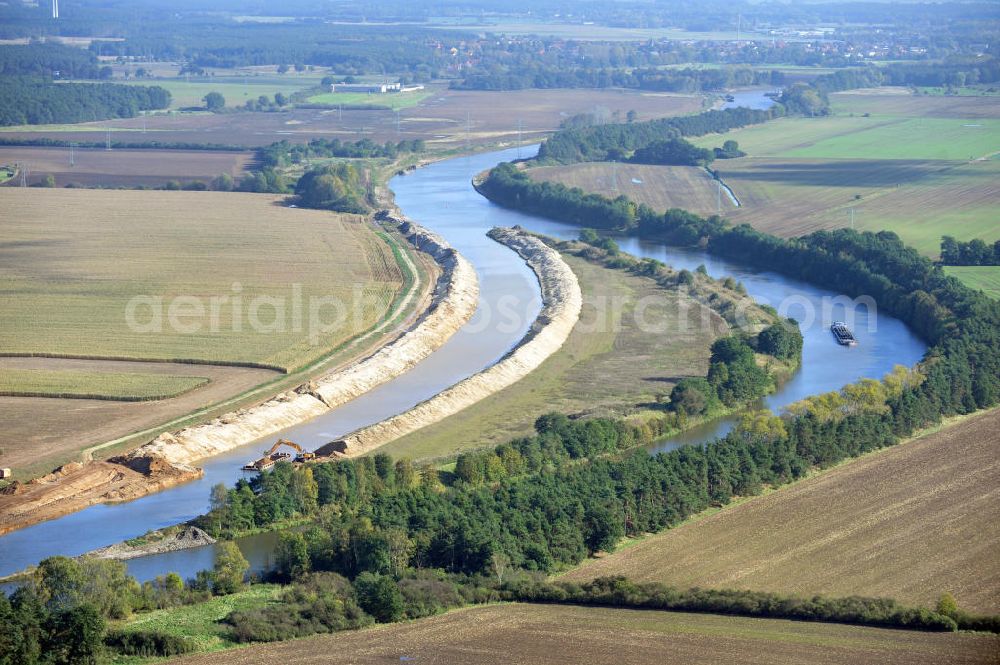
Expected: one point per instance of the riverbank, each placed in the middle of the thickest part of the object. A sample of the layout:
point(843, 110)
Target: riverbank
point(452, 305)
point(78, 485)
point(168, 459)
point(171, 539)
point(562, 301)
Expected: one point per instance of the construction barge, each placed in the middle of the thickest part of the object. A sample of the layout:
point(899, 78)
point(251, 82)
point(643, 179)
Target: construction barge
point(843, 334)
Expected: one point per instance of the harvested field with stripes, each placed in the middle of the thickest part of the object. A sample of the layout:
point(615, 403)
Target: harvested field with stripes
point(190, 281)
point(530, 634)
point(910, 523)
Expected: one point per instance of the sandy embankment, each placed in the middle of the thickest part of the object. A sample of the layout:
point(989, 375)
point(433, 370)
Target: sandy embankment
point(561, 304)
point(167, 460)
point(77, 485)
point(453, 304)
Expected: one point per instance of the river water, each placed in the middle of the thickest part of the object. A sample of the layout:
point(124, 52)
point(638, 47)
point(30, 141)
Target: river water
point(441, 198)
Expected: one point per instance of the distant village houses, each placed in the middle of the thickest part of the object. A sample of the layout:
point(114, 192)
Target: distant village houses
point(374, 88)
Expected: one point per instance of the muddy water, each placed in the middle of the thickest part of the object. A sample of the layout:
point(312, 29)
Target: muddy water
point(440, 197)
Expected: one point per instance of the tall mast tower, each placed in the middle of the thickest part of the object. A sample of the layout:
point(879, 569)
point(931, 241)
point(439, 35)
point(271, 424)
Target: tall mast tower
point(55, 8)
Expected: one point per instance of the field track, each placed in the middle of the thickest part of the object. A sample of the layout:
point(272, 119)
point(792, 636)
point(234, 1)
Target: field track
point(530, 634)
point(909, 523)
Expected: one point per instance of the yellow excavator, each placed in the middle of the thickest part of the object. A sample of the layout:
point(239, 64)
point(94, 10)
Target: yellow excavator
point(272, 456)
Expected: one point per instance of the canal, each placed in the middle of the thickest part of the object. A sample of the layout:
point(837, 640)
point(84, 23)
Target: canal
point(441, 198)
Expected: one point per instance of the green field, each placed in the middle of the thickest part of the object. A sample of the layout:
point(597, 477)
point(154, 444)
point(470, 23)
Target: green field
point(130, 387)
point(845, 137)
point(200, 622)
point(986, 278)
point(919, 165)
point(236, 90)
point(921, 200)
point(397, 100)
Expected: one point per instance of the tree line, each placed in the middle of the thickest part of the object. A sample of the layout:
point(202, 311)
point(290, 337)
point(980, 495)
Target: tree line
point(32, 101)
point(534, 73)
point(283, 153)
point(617, 141)
point(972, 253)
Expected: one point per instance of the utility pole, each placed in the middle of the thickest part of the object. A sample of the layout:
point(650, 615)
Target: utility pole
point(852, 219)
point(614, 177)
point(340, 112)
point(397, 123)
point(72, 155)
point(107, 141)
point(718, 197)
point(468, 130)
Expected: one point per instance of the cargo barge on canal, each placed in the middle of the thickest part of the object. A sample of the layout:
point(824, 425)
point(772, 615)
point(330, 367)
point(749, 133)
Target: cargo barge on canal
point(843, 334)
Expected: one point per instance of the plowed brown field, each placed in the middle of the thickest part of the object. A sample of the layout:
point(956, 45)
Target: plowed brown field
point(530, 634)
point(910, 523)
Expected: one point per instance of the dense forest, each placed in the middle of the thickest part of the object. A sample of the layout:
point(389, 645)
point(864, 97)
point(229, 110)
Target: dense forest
point(972, 253)
point(50, 61)
point(30, 101)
